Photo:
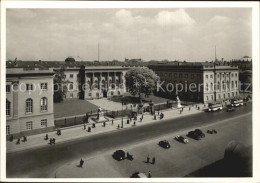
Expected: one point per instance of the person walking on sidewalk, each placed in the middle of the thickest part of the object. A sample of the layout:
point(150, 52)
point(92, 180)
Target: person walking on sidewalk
point(81, 162)
point(46, 137)
point(24, 138)
point(84, 126)
point(112, 121)
point(148, 159)
point(149, 174)
point(141, 119)
point(50, 141)
point(118, 126)
point(134, 123)
point(18, 141)
point(153, 161)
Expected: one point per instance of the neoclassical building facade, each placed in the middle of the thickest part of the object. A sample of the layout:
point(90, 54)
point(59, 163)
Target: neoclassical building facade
point(29, 100)
point(98, 82)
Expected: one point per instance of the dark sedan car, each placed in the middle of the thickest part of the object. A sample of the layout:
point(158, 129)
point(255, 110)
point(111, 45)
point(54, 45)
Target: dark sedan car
point(194, 135)
point(119, 155)
point(200, 133)
point(165, 144)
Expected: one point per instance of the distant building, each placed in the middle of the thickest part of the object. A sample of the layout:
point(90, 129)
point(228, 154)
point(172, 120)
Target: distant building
point(213, 83)
point(29, 99)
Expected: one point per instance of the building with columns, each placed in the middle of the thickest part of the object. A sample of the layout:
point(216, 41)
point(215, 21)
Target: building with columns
point(201, 82)
point(29, 100)
point(99, 81)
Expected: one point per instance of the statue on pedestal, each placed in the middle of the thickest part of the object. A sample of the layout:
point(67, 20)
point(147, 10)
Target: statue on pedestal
point(178, 102)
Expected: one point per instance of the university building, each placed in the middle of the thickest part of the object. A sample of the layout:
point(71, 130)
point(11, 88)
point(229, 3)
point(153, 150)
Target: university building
point(213, 83)
point(29, 100)
point(99, 81)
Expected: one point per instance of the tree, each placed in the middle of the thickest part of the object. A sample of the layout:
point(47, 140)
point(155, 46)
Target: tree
point(141, 80)
point(60, 85)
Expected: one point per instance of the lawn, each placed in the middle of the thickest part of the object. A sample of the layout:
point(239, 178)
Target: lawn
point(72, 107)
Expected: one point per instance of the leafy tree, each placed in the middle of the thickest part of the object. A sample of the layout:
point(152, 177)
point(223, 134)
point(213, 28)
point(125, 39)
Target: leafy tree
point(60, 85)
point(245, 78)
point(141, 80)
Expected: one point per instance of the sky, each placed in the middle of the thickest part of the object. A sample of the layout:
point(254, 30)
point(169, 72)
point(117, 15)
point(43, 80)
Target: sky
point(150, 34)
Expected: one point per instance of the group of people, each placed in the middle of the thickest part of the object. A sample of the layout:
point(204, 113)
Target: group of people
point(148, 160)
point(24, 140)
point(58, 132)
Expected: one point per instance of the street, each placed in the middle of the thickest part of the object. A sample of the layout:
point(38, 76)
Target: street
point(42, 162)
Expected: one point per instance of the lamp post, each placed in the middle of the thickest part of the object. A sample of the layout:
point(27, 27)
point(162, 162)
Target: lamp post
point(122, 123)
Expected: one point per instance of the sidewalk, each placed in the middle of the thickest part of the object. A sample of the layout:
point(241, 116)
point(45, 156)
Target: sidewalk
point(76, 132)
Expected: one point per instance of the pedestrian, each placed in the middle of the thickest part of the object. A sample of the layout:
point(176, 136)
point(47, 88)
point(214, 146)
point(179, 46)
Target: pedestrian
point(118, 126)
point(134, 123)
point(142, 116)
point(46, 137)
point(84, 126)
point(93, 125)
point(198, 108)
point(180, 111)
point(53, 140)
point(89, 129)
point(154, 117)
point(148, 159)
point(153, 161)
point(81, 163)
point(50, 141)
point(104, 124)
point(18, 141)
point(149, 174)
point(59, 132)
point(189, 108)
point(24, 138)
point(112, 121)
point(141, 119)
point(158, 113)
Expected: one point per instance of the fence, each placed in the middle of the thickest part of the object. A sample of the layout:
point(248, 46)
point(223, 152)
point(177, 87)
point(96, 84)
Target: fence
point(70, 121)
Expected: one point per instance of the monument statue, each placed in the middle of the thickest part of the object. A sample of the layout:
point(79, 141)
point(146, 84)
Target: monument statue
point(100, 115)
point(178, 102)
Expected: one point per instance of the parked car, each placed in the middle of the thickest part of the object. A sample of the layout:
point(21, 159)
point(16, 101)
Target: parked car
point(119, 155)
point(181, 139)
point(165, 144)
point(212, 131)
point(200, 133)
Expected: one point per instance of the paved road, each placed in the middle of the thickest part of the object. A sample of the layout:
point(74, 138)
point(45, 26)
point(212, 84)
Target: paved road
point(43, 161)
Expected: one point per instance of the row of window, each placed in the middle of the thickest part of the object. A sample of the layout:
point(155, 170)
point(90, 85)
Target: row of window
point(218, 75)
point(28, 106)
point(29, 87)
point(224, 96)
point(224, 85)
point(180, 75)
point(29, 126)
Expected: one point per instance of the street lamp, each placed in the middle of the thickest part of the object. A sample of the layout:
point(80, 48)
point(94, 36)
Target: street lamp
point(122, 123)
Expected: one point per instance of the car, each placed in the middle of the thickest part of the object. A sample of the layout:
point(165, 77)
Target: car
point(230, 108)
point(119, 155)
point(194, 135)
point(181, 139)
point(165, 144)
point(200, 133)
point(212, 131)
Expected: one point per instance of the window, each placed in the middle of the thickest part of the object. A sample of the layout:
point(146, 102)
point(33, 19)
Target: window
point(192, 76)
point(218, 86)
point(211, 86)
point(224, 96)
point(233, 94)
point(207, 87)
point(8, 88)
point(29, 125)
point(175, 74)
point(29, 87)
point(180, 75)
point(29, 105)
point(223, 85)
point(43, 123)
point(232, 84)
point(198, 76)
point(186, 75)
point(211, 76)
point(211, 97)
point(8, 108)
point(112, 93)
point(219, 96)
point(228, 95)
point(232, 75)
point(170, 75)
point(218, 75)
point(223, 75)
point(207, 98)
point(89, 94)
point(44, 104)
point(207, 76)
point(97, 94)
point(71, 75)
point(71, 86)
point(7, 129)
point(71, 95)
point(236, 75)
point(118, 92)
point(236, 83)
point(44, 86)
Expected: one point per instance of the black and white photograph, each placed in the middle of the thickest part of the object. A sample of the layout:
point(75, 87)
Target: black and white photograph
point(136, 90)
